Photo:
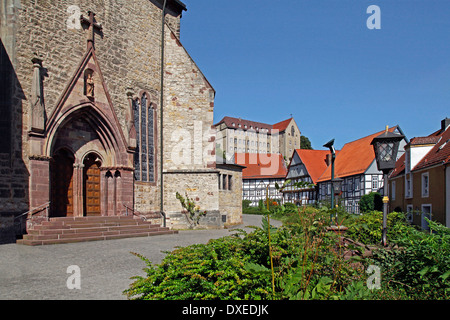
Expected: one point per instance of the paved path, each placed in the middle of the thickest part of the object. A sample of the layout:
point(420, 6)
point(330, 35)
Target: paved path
point(106, 266)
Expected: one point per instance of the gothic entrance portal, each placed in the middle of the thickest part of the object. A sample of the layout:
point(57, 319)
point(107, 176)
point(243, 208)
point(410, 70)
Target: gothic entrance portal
point(91, 186)
point(62, 184)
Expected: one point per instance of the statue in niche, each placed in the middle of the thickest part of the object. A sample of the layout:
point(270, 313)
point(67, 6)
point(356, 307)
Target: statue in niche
point(89, 83)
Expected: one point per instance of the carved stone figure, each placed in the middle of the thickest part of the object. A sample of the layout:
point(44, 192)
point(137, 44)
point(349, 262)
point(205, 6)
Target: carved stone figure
point(89, 84)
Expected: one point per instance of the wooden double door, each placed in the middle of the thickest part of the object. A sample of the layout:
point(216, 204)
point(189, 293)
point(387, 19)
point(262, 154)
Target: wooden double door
point(65, 189)
point(91, 186)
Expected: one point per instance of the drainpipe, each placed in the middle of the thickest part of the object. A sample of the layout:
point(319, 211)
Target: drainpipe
point(161, 114)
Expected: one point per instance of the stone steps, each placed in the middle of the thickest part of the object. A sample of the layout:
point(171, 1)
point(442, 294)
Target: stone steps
point(79, 229)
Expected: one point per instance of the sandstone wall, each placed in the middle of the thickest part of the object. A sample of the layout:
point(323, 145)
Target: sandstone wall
point(230, 198)
point(128, 53)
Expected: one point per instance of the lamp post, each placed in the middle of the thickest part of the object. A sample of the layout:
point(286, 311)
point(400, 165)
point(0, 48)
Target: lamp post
point(385, 147)
point(330, 145)
point(337, 188)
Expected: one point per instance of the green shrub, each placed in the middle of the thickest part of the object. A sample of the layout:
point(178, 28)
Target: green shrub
point(246, 204)
point(254, 210)
point(367, 228)
point(308, 263)
point(421, 266)
point(370, 202)
point(212, 271)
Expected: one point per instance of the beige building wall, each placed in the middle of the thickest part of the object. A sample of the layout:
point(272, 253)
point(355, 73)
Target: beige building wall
point(230, 193)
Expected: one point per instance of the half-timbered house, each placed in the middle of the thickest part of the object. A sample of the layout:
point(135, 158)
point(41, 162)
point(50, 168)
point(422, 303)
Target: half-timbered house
point(356, 165)
point(260, 175)
point(305, 166)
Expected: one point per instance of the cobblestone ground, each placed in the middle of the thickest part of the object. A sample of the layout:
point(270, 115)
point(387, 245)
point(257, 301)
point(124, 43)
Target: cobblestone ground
point(105, 266)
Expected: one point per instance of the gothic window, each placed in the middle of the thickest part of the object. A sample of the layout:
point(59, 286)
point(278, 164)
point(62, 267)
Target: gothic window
point(144, 157)
point(292, 131)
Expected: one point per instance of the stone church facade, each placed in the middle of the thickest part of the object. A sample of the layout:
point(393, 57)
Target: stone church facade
point(82, 107)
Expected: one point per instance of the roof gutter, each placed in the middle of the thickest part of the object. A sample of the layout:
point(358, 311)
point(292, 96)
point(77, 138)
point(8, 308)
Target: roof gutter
point(161, 206)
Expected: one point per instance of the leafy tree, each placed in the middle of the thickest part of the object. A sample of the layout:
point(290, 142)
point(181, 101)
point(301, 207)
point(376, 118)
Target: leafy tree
point(305, 143)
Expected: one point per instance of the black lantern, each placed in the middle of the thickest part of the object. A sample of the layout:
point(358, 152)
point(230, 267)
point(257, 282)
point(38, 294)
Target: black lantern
point(386, 147)
point(337, 186)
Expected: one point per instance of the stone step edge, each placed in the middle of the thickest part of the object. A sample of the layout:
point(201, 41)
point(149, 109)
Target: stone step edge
point(97, 238)
point(64, 230)
point(86, 224)
point(89, 234)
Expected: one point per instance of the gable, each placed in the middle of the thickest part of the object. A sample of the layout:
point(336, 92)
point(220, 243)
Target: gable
point(87, 90)
point(438, 154)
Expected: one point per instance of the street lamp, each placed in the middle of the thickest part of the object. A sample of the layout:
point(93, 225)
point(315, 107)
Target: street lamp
point(330, 145)
point(385, 147)
point(336, 185)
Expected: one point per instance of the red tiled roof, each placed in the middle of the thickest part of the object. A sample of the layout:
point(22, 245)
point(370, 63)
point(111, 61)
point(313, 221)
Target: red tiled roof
point(399, 166)
point(432, 139)
point(259, 165)
point(315, 162)
point(245, 124)
point(281, 126)
point(439, 154)
point(252, 125)
point(354, 158)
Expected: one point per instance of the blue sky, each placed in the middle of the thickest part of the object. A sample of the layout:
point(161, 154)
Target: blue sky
point(317, 60)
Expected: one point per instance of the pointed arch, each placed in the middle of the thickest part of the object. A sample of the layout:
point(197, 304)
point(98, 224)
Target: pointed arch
point(144, 116)
point(104, 131)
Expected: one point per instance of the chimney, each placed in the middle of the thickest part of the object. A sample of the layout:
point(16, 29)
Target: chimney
point(445, 123)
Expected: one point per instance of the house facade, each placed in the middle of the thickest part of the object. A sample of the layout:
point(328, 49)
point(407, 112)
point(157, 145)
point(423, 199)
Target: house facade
point(236, 135)
point(261, 173)
point(305, 166)
point(420, 182)
point(356, 165)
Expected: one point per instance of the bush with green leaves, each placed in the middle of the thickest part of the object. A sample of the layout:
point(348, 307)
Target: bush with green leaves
point(307, 264)
point(370, 202)
point(367, 227)
point(420, 267)
point(204, 271)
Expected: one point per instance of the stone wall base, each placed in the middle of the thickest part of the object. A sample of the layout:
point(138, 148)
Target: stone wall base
point(179, 221)
point(7, 228)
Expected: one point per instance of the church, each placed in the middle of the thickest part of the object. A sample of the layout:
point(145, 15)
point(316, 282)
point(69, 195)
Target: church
point(103, 113)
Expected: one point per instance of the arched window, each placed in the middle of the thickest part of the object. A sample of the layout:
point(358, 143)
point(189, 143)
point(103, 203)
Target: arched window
point(144, 159)
point(292, 131)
